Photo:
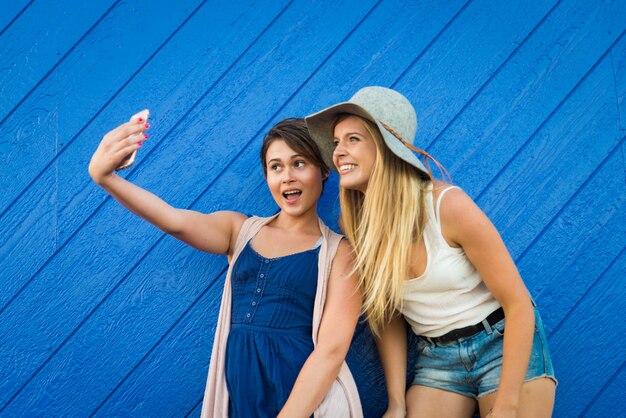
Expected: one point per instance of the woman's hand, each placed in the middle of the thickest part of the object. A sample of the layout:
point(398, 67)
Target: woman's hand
point(395, 411)
point(116, 145)
point(496, 412)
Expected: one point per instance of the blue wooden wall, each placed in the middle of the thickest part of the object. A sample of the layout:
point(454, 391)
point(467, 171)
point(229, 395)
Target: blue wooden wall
point(101, 314)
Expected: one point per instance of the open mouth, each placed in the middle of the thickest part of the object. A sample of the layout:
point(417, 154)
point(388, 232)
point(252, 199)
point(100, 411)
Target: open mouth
point(346, 168)
point(292, 195)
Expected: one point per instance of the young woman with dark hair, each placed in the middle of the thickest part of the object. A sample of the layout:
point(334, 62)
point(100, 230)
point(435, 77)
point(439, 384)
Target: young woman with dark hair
point(290, 303)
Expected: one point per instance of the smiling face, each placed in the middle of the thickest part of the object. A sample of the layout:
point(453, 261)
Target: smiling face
point(294, 181)
point(355, 153)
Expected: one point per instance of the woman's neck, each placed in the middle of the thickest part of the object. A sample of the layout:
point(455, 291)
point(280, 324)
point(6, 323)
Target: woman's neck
point(307, 223)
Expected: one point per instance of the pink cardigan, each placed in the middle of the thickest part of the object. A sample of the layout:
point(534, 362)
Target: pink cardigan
point(342, 399)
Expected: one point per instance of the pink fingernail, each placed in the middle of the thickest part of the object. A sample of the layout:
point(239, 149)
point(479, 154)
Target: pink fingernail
point(145, 136)
point(147, 125)
point(140, 119)
point(140, 143)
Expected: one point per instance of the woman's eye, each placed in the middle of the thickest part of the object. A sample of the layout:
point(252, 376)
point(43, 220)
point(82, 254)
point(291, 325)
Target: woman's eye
point(299, 163)
point(354, 139)
point(274, 167)
point(335, 143)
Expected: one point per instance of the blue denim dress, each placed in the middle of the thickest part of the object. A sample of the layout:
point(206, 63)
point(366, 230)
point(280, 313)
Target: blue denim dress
point(271, 325)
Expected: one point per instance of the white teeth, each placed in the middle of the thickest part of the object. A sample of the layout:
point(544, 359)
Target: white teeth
point(346, 167)
point(292, 192)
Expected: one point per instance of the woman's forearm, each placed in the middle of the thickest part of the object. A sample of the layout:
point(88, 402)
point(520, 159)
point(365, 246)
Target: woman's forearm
point(341, 313)
point(518, 340)
point(313, 382)
point(392, 348)
point(142, 203)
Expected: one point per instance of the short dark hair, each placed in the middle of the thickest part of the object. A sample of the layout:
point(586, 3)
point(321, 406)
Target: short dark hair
point(296, 135)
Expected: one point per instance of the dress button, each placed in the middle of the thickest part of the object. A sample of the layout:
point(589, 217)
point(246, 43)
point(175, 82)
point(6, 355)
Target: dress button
point(261, 275)
point(253, 303)
point(267, 261)
point(258, 290)
point(247, 315)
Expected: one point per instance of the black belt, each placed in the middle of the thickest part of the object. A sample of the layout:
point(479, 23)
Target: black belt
point(493, 318)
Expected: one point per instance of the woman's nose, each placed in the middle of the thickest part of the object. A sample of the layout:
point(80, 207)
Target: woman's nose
point(287, 176)
point(339, 150)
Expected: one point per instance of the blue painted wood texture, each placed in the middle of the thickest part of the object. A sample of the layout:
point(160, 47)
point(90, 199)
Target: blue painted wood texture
point(101, 314)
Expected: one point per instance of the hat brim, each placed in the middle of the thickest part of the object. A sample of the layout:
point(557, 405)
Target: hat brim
point(321, 130)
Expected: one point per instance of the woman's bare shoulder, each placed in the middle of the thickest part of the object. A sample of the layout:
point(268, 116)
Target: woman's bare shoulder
point(344, 257)
point(344, 251)
point(439, 186)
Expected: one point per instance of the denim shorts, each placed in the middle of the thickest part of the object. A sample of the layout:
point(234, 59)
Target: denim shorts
point(472, 366)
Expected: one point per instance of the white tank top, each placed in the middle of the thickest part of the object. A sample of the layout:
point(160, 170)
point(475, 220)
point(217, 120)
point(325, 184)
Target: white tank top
point(450, 294)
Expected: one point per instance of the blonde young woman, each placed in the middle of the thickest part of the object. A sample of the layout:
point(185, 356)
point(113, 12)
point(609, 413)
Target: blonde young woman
point(428, 255)
point(290, 302)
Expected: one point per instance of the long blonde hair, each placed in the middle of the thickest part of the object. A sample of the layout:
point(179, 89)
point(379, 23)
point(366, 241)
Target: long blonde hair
point(382, 225)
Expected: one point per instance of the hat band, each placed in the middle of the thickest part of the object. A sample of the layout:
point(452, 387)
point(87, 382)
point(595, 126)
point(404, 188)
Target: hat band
point(422, 152)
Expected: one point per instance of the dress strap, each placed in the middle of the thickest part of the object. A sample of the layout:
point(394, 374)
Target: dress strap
point(430, 210)
point(437, 210)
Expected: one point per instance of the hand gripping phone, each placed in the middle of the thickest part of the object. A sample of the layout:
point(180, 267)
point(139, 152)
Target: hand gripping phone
point(130, 158)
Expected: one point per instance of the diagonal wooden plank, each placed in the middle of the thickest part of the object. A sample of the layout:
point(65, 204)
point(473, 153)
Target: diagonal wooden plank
point(32, 46)
point(589, 346)
point(591, 233)
point(610, 401)
point(618, 58)
point(498, 122)
point(197, 409)
point(555, 163)
point(10, 11)
point(182, 388)
point(59, 107)
point(446, 78)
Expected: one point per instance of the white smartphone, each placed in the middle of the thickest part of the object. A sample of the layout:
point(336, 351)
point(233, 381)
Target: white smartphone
point(130, 158)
